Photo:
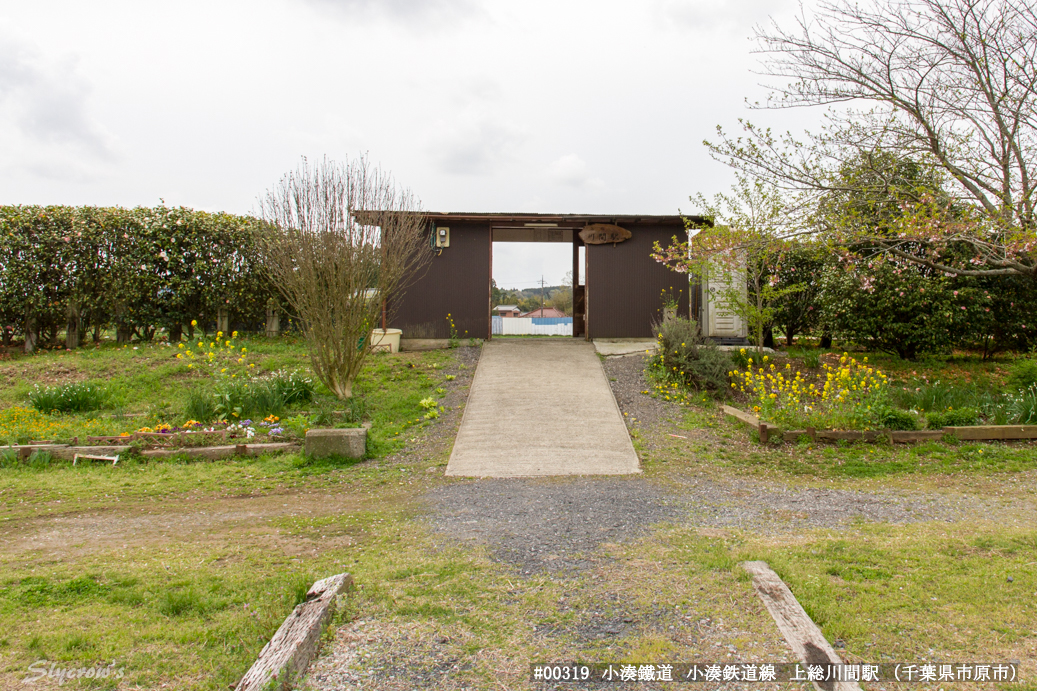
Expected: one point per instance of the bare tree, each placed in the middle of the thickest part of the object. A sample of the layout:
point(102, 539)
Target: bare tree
point(949, 84)
point(340, 240)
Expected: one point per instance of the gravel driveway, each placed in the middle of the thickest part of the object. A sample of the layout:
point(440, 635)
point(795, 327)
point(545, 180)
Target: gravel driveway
point(559, 528)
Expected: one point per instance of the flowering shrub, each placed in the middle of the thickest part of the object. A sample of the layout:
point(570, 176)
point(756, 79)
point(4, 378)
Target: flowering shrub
point(850, 396)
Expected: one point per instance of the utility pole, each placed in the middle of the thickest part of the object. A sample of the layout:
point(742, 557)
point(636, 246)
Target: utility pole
point(541, 295)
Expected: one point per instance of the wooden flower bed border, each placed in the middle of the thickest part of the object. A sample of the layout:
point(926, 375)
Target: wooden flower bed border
point(974, 433)
point(70, 451)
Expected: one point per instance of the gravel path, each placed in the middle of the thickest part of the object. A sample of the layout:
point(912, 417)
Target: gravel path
point(536, 525)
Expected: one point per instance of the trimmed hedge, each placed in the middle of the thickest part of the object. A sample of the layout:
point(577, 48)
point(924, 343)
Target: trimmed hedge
point(138, 270)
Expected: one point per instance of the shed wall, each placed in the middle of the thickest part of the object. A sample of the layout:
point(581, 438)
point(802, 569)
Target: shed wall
point(456, 282)
point(624, 283)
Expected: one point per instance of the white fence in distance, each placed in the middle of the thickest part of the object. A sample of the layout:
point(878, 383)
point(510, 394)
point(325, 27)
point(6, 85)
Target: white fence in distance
point(524, 326)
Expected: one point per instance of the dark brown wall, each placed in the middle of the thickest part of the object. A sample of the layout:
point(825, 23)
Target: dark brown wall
point(457, 282)
point(624, 283)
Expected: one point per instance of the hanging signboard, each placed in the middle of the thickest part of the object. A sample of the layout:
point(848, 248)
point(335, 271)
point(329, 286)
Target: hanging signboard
point(603, 233)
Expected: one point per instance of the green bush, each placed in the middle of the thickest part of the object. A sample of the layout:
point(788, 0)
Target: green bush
point(905, 311)
point(79, 397)
point(961, 417)
point(888, 417)
point(138, 269)
point(688, 359)
point(1023, 374)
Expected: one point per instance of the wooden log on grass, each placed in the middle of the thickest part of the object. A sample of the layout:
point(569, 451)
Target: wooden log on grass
point(849, 435)
point(215, 453)
point(24, 451)
point(762, 427)
point(285, 658)
point(741, 415)
point(993, 432)
point(802, 635)
point(907, 436)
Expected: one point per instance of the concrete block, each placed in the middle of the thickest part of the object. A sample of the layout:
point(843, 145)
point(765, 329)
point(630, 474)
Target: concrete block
point(350, 442)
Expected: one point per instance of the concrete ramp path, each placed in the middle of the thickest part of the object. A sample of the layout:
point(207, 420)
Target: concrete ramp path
point(541, 406)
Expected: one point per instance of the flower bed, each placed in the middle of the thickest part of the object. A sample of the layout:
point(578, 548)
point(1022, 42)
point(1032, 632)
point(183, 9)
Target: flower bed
point(848, 395)
point(973, 433)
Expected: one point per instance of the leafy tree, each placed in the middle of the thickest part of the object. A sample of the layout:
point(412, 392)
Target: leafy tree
point(947, 85)
point(896, 308)
point(800, 264)
point(745, 237)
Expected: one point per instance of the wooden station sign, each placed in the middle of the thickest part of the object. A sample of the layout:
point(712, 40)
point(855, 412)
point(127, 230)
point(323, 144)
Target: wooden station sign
point(603, 233)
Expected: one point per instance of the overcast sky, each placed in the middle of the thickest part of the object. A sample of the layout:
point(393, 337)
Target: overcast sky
point(477, 105)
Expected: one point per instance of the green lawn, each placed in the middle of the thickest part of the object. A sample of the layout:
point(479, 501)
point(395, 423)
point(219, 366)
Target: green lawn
point(179, 571)
point(180, 598)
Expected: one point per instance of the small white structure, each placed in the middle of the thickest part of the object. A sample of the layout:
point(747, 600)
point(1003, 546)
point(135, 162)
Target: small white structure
point(719, 322)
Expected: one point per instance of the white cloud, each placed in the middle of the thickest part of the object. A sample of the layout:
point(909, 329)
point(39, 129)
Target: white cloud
point(571, 170)
point(45, 105)
point(729, 16)
point(403, 11)
point(474, 146)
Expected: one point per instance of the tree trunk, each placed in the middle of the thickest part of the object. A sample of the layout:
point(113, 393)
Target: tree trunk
point(30, 334)
point(768, 337)
point(176, 333)
point(72, 327)
point(6, 335)
point(97, 331)
point(273, 319)
point(123, 332)
point(826, 341)
point(223, 321)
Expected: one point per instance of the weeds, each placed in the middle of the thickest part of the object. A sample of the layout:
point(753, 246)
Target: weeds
point(1023, 374)
point(235, 399)
point(941, 399)
point(1024, 408)
point(78, 397)
point(811, 357)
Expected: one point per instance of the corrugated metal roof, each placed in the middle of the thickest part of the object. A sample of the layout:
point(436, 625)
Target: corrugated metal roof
point(574, 219)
